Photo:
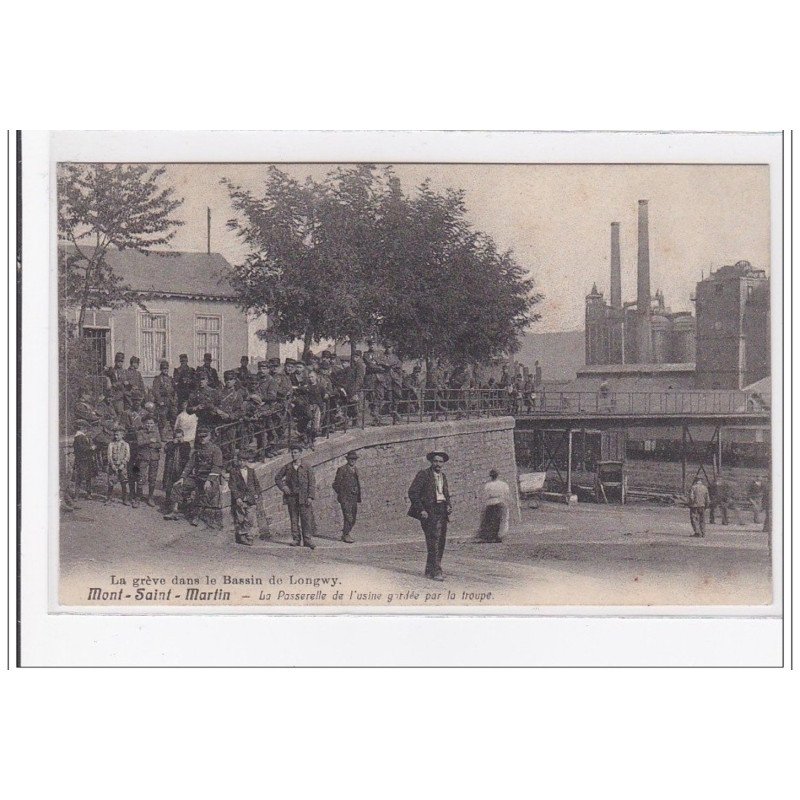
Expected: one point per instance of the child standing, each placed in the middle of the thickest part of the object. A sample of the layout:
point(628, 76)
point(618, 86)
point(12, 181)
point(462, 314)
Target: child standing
point(119, 456)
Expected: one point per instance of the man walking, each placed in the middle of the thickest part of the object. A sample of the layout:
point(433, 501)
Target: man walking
point(698, 500)
point(347, 486)
point(296, 481)
point(430, 504)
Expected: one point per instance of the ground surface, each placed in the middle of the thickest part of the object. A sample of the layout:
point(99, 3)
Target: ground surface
point(557, 555)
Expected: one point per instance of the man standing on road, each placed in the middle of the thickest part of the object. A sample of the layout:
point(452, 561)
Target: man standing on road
point(296, 481)
point(347, 486)
point(698, 500)
point(430, 504)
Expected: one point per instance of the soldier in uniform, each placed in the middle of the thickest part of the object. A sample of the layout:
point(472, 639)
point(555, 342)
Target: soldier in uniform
point(392, 380)
point(85, 414)
point(373, 385)
point(184, 379)
point(352, 381)
point(243, 374)
point(412, 390)
point(148, 456)
point(230, 412)
point(133, 385)
point(165, 398)
point(200, 480)
point(204, 402)
point(205, 367)
point(116, 391)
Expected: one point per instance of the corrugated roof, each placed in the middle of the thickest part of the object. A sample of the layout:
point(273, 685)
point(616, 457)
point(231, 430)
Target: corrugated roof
point(170, 272)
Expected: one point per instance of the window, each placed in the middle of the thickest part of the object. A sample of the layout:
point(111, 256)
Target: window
point(153, 331)
point(208, 339)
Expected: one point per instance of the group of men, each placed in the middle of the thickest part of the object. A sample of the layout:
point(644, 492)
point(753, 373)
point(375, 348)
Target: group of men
point(717, 497)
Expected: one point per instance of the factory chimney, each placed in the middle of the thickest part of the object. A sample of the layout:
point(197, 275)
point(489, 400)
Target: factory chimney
point(643, 287)
point(616, 273)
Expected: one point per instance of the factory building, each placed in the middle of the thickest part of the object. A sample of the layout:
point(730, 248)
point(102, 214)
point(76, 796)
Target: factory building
point(733, 347)
point(644, 331)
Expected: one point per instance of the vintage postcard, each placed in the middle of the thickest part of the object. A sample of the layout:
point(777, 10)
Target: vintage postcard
point(311, 384)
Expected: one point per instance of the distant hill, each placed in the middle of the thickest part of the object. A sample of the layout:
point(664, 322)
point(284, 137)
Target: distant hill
point(560, 354)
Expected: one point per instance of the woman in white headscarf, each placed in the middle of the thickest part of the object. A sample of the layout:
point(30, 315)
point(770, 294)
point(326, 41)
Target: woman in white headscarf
point(495, 505)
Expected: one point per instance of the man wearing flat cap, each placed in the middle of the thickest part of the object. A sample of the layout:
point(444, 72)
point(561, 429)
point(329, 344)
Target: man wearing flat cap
point(296, 482)
point(430, 504)
point(347, 486)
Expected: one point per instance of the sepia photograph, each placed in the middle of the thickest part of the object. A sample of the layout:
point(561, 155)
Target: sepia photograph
point(413, 386)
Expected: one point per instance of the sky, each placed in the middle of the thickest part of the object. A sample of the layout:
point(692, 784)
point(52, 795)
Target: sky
point(556, 218)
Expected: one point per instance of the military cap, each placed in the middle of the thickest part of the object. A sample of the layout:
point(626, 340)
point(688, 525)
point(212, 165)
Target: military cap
point(435, 453)
point(326, 354)
point(352, 454)
point(135, 359)
point(207, 357)
point(118, 427)
point(290, 361)
point(245, 358)
point(357, 353)
point(263, 363)
point(119, 357)
point(204, 430)
point(229, 374)
point(163, 363)
point(371, 340)
point(183, 357)
point(273, 362)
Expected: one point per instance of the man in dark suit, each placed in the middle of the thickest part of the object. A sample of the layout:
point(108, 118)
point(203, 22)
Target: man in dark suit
point(430, 504)
point(296, 481)
point(347, 485)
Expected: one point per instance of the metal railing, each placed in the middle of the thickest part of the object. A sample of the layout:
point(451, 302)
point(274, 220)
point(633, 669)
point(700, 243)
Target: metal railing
point(271, 431)
point(679, 403)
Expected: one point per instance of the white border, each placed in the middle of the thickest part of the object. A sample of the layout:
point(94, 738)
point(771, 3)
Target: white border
point(200, 638)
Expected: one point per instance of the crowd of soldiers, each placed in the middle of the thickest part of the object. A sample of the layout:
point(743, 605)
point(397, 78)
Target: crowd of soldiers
point(255, 414)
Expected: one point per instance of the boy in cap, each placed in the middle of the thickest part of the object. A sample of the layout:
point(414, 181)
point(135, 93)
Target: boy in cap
point(430, 504)
point(347, 486)
point(119, 455)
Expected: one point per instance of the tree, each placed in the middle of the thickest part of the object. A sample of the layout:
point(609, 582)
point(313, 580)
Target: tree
point(455, 295)
point(353, 254)
point(108, 205)
point(312, 252)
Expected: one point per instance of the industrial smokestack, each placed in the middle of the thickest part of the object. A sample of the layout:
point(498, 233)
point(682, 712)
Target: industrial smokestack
point(616, 270)
point(643, 287)
point(643, 262)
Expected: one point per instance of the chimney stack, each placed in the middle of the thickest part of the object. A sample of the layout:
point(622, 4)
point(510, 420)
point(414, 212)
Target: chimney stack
point(616, 272)
point(643, 262)
point(643, 287)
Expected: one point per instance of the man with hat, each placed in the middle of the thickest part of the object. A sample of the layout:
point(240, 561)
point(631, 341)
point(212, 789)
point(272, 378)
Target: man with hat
point(243, 374)
point(199, 482)
point(245, 496)
point(347, 486)
point(373, 381)
point(352, 380)
point(204, 401)
point(213, 375)
point(116, 392)
point(273, 388)
point(165, 398)
point(430, 504)
point(133, 385)
point(296, 481)
point(184, 379)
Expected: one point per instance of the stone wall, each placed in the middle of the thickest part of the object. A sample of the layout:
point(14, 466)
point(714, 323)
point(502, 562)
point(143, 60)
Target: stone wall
point(389, 458)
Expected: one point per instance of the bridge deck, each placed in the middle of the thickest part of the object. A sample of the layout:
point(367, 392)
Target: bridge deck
point(570, 419)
